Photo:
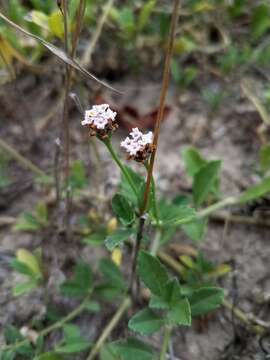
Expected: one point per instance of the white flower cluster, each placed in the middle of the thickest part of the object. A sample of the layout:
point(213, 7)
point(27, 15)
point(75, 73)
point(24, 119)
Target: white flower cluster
point(99, 116)
point(137, 141)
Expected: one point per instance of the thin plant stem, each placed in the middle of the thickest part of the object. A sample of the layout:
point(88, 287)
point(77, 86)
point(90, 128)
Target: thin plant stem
point(164, 88)
point(153, 189)
point(65, 119)
point(65, 122)
point(108, 329)
point(135, 253)
point(208, 211)
point(121, 166)
point(156, 241)
point(73, 314)
point(165, 342)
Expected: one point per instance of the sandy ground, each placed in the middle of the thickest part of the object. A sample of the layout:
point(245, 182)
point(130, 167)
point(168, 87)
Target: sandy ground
point(231, 137)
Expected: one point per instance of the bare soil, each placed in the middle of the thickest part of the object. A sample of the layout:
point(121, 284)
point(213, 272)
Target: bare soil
point(229, 135)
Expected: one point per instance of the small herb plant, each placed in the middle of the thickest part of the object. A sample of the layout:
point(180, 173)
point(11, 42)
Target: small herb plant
point(169, 293)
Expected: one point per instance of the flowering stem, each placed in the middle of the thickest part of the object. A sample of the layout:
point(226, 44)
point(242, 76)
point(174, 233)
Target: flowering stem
point(121, 166)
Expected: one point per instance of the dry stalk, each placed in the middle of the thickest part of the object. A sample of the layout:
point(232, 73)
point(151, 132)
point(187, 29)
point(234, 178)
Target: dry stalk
point(68, 77)
point(163, 93)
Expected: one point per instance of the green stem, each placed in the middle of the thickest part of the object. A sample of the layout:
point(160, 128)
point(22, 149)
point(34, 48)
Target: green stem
point(208, 211)
point(153, 189)
point(156, 242)
point(108, 329)
point(52, 327)
point(166, 338)
point(116, 159)
point(219, 205)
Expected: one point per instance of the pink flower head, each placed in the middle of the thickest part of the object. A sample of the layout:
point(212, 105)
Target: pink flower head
point(101, 120)
point(138, 145)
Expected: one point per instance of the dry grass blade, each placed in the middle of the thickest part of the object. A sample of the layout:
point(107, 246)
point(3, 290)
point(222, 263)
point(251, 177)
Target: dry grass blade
point(58, 53)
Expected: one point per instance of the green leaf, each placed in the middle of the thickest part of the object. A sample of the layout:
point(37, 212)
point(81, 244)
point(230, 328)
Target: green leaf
point(27, 222)
point(12, 334)
point(193, 160)
point(156, 302)
point(112, 273)
point(81, 283)
point(171, 214)
point(145, 13)
point(56, 25)
point(125, 187)
point(49, 356)
point(122, 209)
point(38, 18)
point(205, 299)
point(74, 346)
point(93, 307)
point(22, 268)
point(172, 292)
point(126, 19)
point(7, 355)
point(260, 21)
point(71, 331)
point(256, 191)
point(152, 272)
point(23, 288)
point(108, 292)
point(95, 239)
point(180, 314)
point(133, 349)
point(78, 178)
point(205, 180)
point(170, 296)
point(24, 256)
point(195, 229)
point(145, 322)
point(107, 353)
point(117, 237)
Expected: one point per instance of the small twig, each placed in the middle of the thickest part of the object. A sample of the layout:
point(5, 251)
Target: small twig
point(108, 329)
point(86, 59)
point(21, 159)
